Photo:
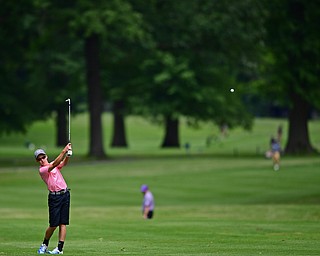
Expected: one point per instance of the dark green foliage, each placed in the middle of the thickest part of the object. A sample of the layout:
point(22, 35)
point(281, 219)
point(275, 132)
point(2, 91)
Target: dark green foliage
point(17, 98)
point(200, 50)
point(294, 44)
point(292, 64)
point(162, 59)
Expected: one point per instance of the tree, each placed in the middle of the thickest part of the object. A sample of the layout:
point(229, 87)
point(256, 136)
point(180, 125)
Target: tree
point(125, 48)
point(293, 47)
point(200, 49)
point(124, 87)
point(98, 23)
point(19, 100)
point(41, 70)
point(92, 51)
point(119, 138)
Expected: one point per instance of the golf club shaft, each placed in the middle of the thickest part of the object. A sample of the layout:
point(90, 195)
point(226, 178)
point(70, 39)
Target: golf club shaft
point(69, 138)
point(69, 112)
point(69, 127)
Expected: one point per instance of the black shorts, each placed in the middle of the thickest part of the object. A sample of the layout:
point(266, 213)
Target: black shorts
point(59, 208)
point(150, 215)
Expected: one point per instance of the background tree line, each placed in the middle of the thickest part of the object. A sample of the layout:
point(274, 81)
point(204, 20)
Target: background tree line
point(160, 59)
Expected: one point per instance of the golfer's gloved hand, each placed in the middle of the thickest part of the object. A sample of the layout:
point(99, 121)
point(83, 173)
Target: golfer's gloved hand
point(69, 152)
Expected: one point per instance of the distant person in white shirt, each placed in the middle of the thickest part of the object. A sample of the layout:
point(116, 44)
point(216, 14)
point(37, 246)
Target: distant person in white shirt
point(148, 202)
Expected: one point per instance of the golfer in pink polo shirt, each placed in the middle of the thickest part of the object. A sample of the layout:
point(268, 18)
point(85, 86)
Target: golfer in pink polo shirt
point(58, 198)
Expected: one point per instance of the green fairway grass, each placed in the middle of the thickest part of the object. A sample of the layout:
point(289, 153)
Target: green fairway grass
point(217, 199)
point(204, 206)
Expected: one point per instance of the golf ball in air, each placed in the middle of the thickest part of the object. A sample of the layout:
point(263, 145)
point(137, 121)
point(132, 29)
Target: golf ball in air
point(231, 90)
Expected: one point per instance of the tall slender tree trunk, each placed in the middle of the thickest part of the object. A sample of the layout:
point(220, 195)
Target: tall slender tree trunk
point(171, 139)
point(298, 137)
point(92, 44)
point(119, 132)
point(61, 126)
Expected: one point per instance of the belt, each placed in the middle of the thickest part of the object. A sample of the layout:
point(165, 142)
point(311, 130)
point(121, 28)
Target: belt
point(61, 192)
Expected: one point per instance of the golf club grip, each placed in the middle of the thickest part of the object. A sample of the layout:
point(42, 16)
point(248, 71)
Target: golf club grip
point(69, 153)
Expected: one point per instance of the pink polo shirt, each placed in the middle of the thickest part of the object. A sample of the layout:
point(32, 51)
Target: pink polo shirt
point(54, 179)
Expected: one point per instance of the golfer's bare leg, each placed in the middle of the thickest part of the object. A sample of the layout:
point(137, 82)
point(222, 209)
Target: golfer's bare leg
point(49, 232)
point(62, 232)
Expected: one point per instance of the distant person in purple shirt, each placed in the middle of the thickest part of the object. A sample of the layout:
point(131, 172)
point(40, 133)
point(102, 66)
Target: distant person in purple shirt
point(148, 202)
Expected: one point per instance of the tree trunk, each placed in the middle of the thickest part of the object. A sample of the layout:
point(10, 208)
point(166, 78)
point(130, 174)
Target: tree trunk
point(298, 137)
point(171, 138)
point(298, 140)
point(119, 134)
point(61, 127)
point(92, 45)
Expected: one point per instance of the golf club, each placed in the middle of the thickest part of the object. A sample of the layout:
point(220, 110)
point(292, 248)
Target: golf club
point(69, 153)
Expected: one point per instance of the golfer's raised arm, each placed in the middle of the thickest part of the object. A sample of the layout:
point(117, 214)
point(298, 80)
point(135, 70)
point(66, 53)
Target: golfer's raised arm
point(65, 160)
point(60, 157)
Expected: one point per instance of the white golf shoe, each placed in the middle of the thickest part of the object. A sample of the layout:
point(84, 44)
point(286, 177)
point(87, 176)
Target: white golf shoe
point(55, 251)
point(43, 249)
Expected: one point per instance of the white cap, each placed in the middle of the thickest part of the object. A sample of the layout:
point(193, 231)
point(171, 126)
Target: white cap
point(39, 152)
